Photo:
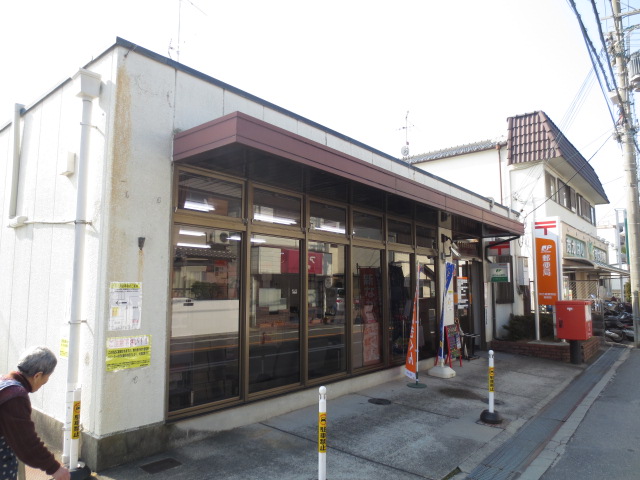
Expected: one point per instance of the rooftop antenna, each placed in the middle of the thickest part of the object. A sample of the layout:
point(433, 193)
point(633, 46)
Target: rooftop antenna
point(405, 148)
point(177, 47)
point(179, 25)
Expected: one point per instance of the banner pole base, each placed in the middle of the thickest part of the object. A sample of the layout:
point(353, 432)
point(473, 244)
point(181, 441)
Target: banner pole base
point(416, 384)
point(441, 371)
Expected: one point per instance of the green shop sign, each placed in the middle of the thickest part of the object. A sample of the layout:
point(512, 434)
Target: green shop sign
point(575, 247)
point(499, 272)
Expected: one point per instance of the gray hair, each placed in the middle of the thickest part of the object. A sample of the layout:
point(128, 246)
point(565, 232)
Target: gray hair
point(37, 359)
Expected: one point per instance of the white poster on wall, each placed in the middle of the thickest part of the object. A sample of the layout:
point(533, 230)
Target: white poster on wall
point(125, 305)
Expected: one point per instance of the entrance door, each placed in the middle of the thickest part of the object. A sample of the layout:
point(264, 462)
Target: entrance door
point(463, 296)
point(468, 289)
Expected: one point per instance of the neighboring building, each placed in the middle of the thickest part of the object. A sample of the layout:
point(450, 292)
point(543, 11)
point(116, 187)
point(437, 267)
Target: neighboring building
point(231, 252)
point(536, 171)
point(614, 234)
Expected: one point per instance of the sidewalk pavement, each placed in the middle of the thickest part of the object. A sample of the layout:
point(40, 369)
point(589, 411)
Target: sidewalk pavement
point(389, 431)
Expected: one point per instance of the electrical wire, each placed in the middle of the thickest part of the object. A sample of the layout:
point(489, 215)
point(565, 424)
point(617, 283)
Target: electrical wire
point(577, 101)
point(592, 53)
point(604, 43)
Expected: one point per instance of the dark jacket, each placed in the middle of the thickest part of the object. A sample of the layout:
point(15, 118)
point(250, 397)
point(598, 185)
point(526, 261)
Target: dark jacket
point(18, 429)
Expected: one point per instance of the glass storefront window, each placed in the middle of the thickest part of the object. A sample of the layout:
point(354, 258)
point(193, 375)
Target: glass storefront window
point(400, 206)
point(400, 305)
point(368, 197)
point(367, 307)
point(328, 218)
point(276, 208)
point(326, 307)
point(426, 215)
point(367, 226)
point(274, 313)
point(205, 316)
point(200, 193)
point(427, 307)
point(426, 236)
point(399, 232)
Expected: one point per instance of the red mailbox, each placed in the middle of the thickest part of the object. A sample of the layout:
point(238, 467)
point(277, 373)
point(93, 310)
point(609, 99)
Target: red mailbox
point(573, 319)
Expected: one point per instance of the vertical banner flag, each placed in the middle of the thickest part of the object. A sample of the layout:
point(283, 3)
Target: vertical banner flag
point(371, 314)
point(546, 234)
point(448, 277)
point(411, 364)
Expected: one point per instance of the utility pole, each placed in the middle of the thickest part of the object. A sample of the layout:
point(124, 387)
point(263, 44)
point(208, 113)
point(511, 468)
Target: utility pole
point(627, 137)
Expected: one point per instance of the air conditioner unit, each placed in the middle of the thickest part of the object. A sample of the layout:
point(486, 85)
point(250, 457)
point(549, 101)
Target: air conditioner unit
point(220, 236)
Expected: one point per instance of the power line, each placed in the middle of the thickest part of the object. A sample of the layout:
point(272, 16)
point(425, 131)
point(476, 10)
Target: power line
point(595, 58)
point(577, 101)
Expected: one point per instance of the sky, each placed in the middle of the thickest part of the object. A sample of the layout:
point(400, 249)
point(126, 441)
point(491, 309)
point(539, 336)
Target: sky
point(435, 74)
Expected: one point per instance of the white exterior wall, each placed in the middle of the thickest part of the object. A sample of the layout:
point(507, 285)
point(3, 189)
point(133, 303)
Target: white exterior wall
point(142, 104)
point(36, 260)
point(129, 196)
point(529, 193)
point(138, 178)
point(478, 172)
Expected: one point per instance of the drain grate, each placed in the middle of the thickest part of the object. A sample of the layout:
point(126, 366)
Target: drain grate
point(160, 465)
point(380, 401)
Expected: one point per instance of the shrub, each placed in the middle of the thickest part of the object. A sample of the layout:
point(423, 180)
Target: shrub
point(523, 327)
point(627, 292)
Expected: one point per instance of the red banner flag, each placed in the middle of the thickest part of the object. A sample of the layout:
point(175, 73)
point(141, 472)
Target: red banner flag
point(411, 364)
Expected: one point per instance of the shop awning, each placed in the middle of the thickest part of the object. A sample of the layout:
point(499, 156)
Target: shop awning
point(200, 144)
point(575, 264)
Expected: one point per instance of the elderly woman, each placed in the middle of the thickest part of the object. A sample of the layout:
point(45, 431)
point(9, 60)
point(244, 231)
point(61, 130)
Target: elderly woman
point(18, 436)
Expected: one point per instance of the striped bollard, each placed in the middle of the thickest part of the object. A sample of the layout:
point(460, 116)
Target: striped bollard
point(322, 434)
point(490, 416)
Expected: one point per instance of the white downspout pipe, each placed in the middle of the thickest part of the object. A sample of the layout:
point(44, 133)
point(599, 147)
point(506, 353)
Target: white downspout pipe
point(13, 200)
point(89, 89)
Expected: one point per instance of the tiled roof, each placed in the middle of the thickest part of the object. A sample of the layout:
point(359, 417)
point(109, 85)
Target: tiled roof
point(534, 137)
point(454, 151)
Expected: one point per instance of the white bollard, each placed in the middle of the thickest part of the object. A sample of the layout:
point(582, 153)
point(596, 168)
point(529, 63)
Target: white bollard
point(491, 381)
point(322, 434)
point(491, 416)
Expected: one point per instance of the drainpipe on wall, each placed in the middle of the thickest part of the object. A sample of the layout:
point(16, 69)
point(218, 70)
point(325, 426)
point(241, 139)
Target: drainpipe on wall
point(500, 172)
point(89, 89)
point(13, 200)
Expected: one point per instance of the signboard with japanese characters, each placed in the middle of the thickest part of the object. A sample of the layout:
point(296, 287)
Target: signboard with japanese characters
point(128, 352)
point(599, 255)
point(125, 305)
point(546, 234)
point(499, 272)
point(575, 247)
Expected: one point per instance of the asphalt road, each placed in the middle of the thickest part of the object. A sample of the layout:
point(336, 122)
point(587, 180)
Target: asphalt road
point(606, 444)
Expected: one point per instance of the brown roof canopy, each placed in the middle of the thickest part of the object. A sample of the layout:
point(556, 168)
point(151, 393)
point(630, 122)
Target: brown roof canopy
point(201, 142)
